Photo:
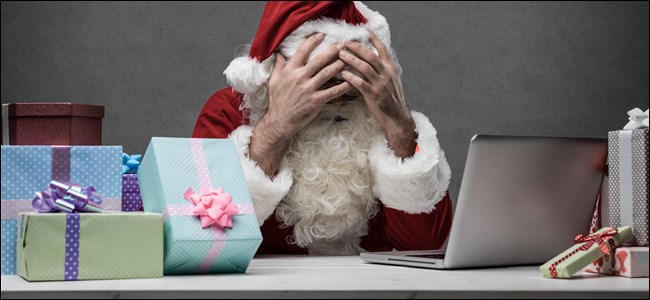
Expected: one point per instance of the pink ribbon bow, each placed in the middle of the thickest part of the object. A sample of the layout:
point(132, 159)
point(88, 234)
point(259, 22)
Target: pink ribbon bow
point(213, 206)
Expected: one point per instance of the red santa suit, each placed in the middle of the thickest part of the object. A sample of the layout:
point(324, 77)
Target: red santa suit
point(409, 204)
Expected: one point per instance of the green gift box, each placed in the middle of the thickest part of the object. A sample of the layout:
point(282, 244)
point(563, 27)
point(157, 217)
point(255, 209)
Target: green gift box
point(587, 249)
point(111, 245)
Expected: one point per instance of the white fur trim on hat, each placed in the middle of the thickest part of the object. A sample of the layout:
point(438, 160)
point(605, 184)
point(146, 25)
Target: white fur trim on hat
point(376, 22)
point(248, 75)
point(414, 184)
point(266, 193)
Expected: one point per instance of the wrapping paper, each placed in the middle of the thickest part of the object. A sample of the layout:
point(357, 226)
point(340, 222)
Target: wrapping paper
point(628, 183)
point(587, 250)
point(131, 198)
point(113, 245)
point(29, 169)
point(629, 262)
point(174, 174)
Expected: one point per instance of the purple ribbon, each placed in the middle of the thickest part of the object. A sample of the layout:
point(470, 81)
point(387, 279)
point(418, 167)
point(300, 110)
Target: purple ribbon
point(72, 246)
point(61, 157)
point(69, 198)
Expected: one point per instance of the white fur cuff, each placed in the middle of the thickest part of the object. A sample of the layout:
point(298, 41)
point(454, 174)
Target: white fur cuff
point(414, 184)
point(265, 192)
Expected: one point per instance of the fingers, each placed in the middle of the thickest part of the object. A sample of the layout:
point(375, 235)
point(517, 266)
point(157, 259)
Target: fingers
point(379, 45)
point(321, 60)
point(360, 65)
point(304, 50)
point(327, 73)
point(356, 82)
point(327, 95)
point(280, 61)
point(365, 54)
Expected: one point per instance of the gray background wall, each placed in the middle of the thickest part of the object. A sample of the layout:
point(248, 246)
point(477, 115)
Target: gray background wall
point(556, 69)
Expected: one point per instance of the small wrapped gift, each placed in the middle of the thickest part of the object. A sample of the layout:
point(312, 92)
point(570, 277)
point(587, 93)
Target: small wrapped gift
point(28, 169)
point(628, 178)
point(52, 124)
point(199, 186)
point(131, 198)
point(586, 250)
point(72, 246)
point(627, 261)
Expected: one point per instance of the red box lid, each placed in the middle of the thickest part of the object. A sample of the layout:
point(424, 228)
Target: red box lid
point(54, 109)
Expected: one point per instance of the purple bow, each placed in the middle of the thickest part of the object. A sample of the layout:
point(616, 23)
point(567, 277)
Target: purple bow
point(66, 197)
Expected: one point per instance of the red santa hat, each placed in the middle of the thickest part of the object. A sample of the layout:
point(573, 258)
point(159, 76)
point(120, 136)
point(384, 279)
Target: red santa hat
point(286, 24)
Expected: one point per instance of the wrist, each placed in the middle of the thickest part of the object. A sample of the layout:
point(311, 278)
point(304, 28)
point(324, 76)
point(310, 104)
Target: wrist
point(267, 137)
point(402, 139)
point(267, 149)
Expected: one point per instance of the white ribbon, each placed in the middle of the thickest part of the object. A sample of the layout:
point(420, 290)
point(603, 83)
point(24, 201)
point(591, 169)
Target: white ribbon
point(638, 119)
point(625, 173)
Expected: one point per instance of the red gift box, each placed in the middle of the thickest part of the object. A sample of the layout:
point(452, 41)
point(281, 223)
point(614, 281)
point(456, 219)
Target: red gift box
point(52, 124)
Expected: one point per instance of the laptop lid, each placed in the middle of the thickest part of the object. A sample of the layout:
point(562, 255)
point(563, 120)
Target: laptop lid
point(523, 199)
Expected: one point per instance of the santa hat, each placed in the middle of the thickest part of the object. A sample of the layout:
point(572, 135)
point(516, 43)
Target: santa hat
point(286, 24)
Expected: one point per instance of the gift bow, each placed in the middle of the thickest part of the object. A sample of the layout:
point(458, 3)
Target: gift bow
point(601, 239)
point(130, 163)
point(59, 196)
point(638, 119)
point(213, 206)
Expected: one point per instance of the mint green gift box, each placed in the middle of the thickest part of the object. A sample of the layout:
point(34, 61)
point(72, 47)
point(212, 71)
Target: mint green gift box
point(110, 245)
point(172, 166)
point(578, 256)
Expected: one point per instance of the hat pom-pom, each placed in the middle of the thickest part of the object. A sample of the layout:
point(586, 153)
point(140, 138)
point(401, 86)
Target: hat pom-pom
point(247, 75)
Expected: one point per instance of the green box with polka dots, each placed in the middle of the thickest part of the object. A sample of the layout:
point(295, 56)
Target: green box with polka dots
point(199, 186)
point(111, 245)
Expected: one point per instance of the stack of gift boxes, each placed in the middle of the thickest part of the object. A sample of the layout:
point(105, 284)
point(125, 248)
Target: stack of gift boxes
point(621, 247)
point(54, 169)
point(131, 198)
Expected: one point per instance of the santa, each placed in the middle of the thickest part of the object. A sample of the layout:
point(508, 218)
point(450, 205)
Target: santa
point(334, 160)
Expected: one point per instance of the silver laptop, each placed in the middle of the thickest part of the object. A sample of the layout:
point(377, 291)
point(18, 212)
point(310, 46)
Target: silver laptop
point(522, 201)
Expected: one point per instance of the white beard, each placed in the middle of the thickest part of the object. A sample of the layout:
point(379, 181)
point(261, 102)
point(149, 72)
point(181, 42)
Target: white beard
point(331, 200)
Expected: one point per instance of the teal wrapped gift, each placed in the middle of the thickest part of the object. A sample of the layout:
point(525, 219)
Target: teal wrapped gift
point(29, 169)
point(198, 185)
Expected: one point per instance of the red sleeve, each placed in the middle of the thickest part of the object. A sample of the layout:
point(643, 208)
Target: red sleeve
point(419, 231)
point(220, 115)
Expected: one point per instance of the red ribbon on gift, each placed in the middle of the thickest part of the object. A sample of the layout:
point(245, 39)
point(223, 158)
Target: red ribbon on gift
point(602, 239)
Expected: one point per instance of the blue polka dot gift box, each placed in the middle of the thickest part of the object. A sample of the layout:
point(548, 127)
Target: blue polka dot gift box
point(86, 246)
point(29, 169)
point(209, 221)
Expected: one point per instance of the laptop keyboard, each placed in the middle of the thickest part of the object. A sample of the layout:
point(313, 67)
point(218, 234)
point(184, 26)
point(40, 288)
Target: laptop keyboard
point(435, 256)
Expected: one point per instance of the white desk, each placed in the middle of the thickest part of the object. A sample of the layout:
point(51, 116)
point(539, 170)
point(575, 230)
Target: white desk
point(339, 277)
